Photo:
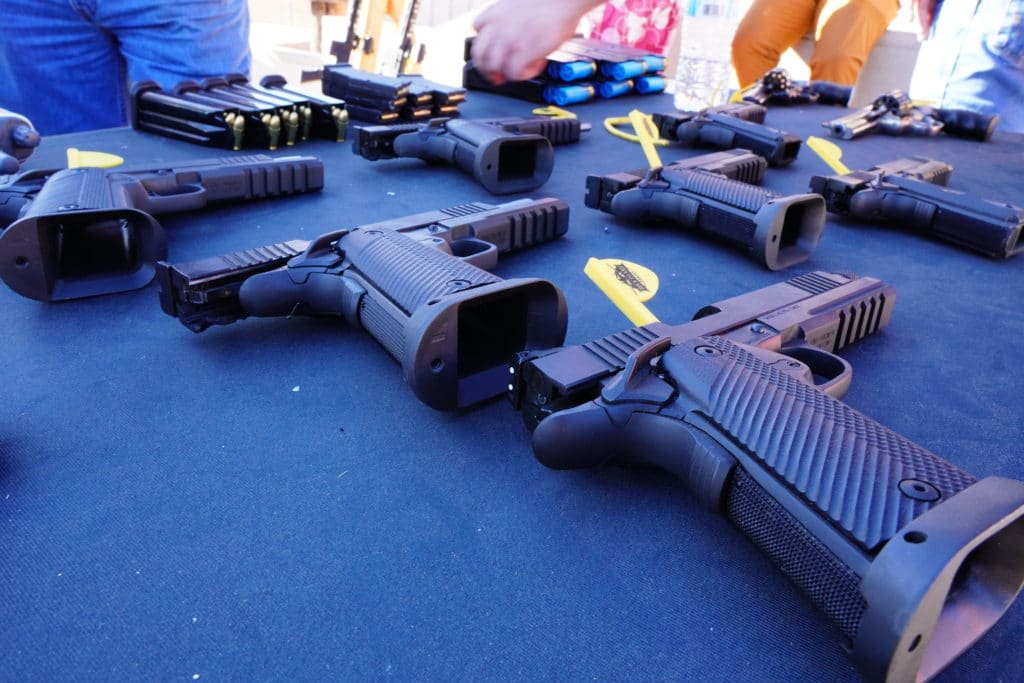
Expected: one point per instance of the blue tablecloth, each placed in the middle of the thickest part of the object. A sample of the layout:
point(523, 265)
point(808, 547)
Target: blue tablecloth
point(269, 501)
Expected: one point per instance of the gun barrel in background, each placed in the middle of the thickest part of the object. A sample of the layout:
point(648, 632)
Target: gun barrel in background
point(734, 125)
point(776, 87)
point(893, 113)
point(976, 224)
point(91, 231)
point(852, 125)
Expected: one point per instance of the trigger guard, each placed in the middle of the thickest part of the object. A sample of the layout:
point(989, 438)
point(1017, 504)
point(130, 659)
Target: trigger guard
point(807, 364)
point(836, 373)
point(150, 198)
point(476, 252)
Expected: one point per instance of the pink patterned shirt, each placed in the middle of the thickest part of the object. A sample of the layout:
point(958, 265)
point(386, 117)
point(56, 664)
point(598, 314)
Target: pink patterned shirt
point(638, 23)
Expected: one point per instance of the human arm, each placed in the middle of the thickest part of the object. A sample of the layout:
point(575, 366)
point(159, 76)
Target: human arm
point(926, 11)
point(515, 36)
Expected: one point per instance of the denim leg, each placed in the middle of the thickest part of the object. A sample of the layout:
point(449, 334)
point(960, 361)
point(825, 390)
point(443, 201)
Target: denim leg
point(974, 59)
point(66, 64)
point(989, 74)
point(58, 67)
point(172, 40)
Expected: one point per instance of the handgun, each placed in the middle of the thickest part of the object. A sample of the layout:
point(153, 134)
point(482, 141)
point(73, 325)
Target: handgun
point(504, 155)
point(739, 124)
point(776, 87)
point(18, 139)
point(417, 284)
point(776, 230)
point(737, 164)
point(909, 193)
point(909, 556)
point(894, 113)
point(87, 231)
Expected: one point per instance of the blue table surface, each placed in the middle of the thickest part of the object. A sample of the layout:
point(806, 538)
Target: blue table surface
point(269, 501)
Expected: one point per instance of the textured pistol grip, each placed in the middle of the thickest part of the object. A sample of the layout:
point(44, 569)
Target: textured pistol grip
point(452, 326)
point(77, 189)
point(967, 124)
point(503, 162)
point(872, 527)
point(776, 231)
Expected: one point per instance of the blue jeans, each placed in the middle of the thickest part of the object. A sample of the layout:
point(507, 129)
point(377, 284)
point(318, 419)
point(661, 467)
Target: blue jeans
point(974, 59)
point(66, 65)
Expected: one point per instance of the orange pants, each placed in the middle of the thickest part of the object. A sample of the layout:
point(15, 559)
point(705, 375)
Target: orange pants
point(844, 32)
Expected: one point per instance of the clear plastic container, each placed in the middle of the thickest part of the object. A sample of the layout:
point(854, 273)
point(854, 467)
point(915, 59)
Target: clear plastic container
point(704, 74)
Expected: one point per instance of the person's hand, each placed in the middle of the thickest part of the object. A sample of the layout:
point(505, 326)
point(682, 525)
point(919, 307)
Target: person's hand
point(925, 10)
point(514, 37)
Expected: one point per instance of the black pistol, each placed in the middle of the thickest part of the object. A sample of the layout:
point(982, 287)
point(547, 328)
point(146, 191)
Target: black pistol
point(88, 231)
point(909, 193)
point(911, 558)
point(417, 284)
point(504, 155)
